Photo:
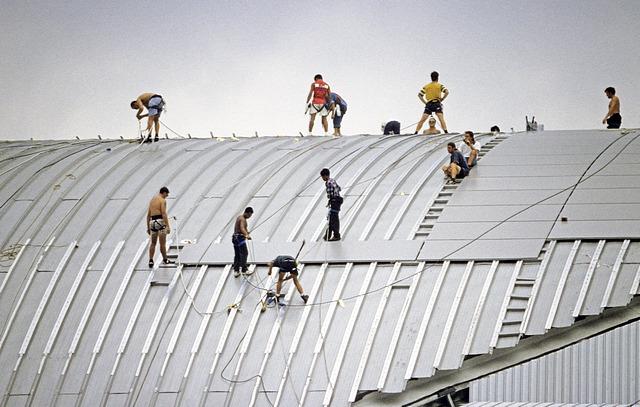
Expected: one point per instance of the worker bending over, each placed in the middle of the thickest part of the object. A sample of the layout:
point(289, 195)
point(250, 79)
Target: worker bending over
point(154, 104)
point(287, 270)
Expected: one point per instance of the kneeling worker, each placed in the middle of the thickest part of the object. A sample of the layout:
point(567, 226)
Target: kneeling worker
point(287, 265)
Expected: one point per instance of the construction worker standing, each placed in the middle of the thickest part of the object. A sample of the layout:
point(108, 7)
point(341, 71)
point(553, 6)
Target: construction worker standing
point(432, 95)
point(239, 240)
point(334, 203)
point(320, 92)
point(158, 225)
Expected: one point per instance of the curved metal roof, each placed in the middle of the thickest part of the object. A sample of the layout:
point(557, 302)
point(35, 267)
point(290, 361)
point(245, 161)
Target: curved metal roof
point(84, 321)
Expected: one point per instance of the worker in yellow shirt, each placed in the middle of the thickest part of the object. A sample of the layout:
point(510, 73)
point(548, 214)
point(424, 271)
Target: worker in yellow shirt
point(432, 95)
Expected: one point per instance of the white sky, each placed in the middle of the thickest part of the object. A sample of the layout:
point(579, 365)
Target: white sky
point(71, 68)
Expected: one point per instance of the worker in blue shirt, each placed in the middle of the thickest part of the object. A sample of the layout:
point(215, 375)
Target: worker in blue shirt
point(338, 108)
point(457, 167)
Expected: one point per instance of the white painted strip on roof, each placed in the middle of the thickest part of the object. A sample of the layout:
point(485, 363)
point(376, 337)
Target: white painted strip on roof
point(92, 301)
point(560, 287)
point(231, 316)
point(372, 333)
point(67, 302)
point(395, 338)
point(299, 329)
point(116, 301)
point(275, 329)
point(13, 265)
point(328, 318)
point(412, 196)
point(614, 273)
point(182, 318)
point(587, 278)
point(16, 308)
point(635, 285)
point(45, 299)
point(476, 315)
point(385, 200)
point(156, 319)
point(337, 366)
point(205, 321)
point(305, 215)
point(246, 341)
point(536, 287)
point(505, 305)
point(415, 352)
point(453, 312)
point(132, 321)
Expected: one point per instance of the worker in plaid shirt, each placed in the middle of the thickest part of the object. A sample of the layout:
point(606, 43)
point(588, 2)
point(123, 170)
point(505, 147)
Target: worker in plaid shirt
point(334, 203)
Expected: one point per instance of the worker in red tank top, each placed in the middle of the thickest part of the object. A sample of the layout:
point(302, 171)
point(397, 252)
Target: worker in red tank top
point(320, 92)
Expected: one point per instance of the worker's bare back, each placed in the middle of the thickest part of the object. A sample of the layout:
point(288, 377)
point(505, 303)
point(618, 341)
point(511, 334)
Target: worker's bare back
point(144, 98)
point(157, 206)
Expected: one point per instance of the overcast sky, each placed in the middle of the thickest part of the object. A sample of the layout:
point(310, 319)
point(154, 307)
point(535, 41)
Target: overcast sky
point(71, 68)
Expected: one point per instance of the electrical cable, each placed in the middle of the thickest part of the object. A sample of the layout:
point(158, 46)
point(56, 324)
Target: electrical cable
point(171, 130)
point(573, 186)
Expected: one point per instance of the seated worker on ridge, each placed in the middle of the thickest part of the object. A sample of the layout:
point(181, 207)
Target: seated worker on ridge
point(469, 148)
point(432, 95)
point(287, 265)
point(432, 127)
point(457, 168)
point(158, 225)
point(154, 104)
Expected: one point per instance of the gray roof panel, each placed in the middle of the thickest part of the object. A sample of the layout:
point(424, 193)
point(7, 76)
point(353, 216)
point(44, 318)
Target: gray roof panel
point(107, 317)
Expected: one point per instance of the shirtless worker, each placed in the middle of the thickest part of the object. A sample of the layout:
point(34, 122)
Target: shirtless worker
point(320, 92)
point(613, 118)
point(286, 265)
point(239, 240)
point(432, 95)
point(432, 127)
point(158, 225)
point(154, 104)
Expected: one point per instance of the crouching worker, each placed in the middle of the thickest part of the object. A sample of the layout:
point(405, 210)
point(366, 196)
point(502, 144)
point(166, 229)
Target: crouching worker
point(288, 270)
point(457, 168)
point(158, 225)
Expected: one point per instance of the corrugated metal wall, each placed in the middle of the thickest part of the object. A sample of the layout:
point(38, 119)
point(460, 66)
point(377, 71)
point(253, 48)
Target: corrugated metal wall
point(603, 369)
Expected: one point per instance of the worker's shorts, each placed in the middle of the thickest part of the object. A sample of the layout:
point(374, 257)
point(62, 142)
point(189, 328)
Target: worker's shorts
point(155, 106)
point(433, 107)
point(337, 120)
point(615, 121)
point(157, 226)
point(318, 109)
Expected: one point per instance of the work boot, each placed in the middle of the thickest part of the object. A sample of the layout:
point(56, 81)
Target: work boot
point(236, 273)
point(168, 262)
point(150, 263)
point(156, 138)
point(335, 238)
point(304, 297)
